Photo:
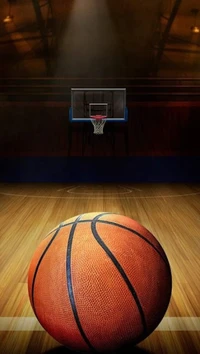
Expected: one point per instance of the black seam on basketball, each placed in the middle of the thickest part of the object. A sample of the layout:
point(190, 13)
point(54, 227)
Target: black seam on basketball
point(81, 221)
point(137, 234)
point(70, 286)
point(121, 271)
point(162, 255)
point(37, 267)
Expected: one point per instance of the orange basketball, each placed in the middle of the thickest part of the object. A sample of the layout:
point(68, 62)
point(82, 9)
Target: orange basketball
point(99, 281)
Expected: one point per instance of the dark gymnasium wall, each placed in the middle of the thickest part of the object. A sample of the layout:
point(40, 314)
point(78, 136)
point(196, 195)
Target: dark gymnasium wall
point(160, 141)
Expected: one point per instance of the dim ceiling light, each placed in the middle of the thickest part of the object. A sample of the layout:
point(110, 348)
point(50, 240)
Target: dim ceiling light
point(8, 19)
point(195, 29)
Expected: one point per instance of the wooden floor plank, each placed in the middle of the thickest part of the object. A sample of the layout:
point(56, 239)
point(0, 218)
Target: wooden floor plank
point(170, 211)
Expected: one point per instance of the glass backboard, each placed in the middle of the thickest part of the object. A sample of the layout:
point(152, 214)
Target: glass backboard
point(87, 102)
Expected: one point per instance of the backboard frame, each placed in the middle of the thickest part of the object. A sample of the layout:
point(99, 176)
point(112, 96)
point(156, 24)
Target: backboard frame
point(83, 119)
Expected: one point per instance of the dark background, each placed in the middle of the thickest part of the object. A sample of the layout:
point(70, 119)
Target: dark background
point(146, 47)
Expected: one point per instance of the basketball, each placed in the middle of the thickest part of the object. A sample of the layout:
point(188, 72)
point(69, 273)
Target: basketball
point(99, 281)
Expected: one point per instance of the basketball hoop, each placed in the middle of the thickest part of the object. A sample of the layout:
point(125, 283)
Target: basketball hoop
point(98, 122)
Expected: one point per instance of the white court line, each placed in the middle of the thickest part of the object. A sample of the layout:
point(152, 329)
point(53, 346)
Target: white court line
point(71, 191)
point(136, 189)
point(62, 189)
point(103, 196)
point(167, 324)
point(128, 189)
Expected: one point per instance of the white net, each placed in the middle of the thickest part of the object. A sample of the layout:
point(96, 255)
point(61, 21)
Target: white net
point(98, 123)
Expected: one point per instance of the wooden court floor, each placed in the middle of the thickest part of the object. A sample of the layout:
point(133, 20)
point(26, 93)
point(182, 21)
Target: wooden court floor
point(170, 211)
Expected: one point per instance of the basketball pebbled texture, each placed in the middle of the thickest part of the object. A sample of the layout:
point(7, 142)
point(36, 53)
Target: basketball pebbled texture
point(99, 281)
